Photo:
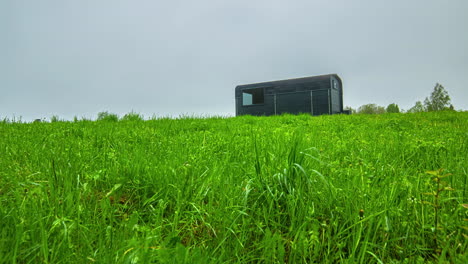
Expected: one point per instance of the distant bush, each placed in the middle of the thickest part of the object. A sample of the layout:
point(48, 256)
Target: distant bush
point(350, 109)
point(417, 108)
point(393, 108)
point(371, 109)
point(132, 116)
point(106, 116)
point(54, 119)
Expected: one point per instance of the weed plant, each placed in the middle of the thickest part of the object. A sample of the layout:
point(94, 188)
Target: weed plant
point(132, 116)
point(109, 117)
point(284, 189)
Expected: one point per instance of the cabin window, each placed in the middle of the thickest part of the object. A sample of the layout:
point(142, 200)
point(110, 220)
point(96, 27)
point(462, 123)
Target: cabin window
point(334, 84)
point(253, 96)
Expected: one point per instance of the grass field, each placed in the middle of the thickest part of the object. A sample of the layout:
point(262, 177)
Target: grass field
point(297, 189)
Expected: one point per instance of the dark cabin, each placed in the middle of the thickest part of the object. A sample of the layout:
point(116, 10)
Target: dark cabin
point(316, 95)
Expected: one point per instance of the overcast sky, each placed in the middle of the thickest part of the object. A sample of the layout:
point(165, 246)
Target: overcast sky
point(80, 57)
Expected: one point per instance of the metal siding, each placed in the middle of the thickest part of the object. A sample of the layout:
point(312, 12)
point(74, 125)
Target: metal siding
point(335, 102)
point(294, 96)
point(293, 103)
point(320, 102)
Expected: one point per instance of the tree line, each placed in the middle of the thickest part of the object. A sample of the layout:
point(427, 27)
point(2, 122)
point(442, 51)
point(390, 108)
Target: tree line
point(438, 100)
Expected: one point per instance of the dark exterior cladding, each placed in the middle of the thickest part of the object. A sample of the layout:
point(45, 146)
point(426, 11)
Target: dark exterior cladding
point(316, 95)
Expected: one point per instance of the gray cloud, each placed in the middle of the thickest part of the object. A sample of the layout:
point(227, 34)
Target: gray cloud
point(182, 57)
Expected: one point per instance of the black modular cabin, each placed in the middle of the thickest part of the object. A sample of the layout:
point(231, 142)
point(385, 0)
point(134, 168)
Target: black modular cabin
point(316, 95)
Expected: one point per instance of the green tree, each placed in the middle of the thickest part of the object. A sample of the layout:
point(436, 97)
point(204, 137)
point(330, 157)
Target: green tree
point(371, 109)
point(351, 110)
point(418, 107)
point(439, 100)
point(393, 108)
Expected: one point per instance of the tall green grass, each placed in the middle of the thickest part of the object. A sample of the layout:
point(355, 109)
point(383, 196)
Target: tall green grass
point(285, 189)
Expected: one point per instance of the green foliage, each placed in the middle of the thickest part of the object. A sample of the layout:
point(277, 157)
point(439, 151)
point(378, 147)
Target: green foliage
point(439, 186)
point(417, 108)
point(54, 119)
point(439, 100)
point(371, 109)
point(280, 189)
point(352, 110)
point(106, 116)
point(132, 116)
point(393, 108)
